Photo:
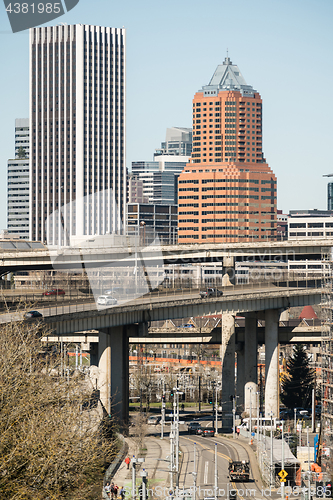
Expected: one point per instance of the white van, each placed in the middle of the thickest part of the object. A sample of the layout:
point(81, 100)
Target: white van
point(264, 423)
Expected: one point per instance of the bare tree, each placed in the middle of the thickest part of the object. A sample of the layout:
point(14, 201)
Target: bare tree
point(50, 448)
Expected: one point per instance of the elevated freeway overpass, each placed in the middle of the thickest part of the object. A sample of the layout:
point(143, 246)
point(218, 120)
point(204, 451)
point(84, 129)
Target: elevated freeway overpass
point(117, 324)
point(101, 251)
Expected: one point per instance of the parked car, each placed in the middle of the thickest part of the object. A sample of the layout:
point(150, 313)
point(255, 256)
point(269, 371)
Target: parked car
point(33, 314)
point(194, 427)
point(106, 300)
point(286, 414)
point(208, 431)
point(153, 419)
point(210, 292)
point(54, 291)
point(187, 325)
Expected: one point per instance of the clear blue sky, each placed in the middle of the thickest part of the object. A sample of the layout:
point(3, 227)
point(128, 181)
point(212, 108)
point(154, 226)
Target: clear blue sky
point(283, 48)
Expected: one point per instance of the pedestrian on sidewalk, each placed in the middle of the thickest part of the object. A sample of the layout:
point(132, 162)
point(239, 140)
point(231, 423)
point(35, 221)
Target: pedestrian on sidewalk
point(107, 488)
point(122, 493)
point(237, 431)
point(115, 489)
point(112, 490)
point(127, 461)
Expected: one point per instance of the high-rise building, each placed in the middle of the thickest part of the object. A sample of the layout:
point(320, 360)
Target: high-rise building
point(227, 192)
point(159, 178)
point(178, 141)
point(156, 181)
point(149, 221)
point(18, 182)
point(330, 196)
point(77, 132)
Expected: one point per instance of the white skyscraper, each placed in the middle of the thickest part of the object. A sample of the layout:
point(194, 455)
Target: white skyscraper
point(77, 125)
point(18, 183)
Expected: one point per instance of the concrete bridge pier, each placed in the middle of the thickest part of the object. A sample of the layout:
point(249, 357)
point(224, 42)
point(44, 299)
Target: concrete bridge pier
point(240, 382)
point(272, 363)
point(251, 375)
point(111, 372)
point(228, 367)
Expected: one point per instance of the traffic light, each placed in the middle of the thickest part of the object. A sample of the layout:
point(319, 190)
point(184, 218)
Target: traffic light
point(210, 400)
point(163, 398)
point(171, 394)
point(328, 490)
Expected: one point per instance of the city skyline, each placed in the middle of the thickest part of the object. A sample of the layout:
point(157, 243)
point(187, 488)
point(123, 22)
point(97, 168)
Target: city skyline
point(160, 86)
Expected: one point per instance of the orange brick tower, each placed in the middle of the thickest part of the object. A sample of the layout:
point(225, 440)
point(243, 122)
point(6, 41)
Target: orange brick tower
point(227, 192)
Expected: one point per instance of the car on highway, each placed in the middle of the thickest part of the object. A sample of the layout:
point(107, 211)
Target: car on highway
point(33, 314)
point(106, 300)
point(210, 292)
point(54, 291)
point(187, 325)
point(208, 431)
point(194, 428)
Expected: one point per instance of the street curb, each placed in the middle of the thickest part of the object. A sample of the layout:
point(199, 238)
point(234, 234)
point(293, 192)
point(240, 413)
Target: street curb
point(114, 466)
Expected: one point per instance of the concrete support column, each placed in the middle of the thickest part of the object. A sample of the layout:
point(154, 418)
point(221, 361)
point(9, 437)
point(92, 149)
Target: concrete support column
point(228, 367)
point(228, 271)
point(113, 371)
point(93, 353)
point(251, 369)
point(240, 383)
point(271, 363)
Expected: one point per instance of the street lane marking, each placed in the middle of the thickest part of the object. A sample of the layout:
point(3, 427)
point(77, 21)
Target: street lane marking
point(206, 473)
point(222, 455)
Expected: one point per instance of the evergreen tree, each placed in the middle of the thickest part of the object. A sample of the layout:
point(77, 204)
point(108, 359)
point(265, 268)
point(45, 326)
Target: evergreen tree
point(298, 383)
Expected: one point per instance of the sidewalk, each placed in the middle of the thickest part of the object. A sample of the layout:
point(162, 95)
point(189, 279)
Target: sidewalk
point(155, 453)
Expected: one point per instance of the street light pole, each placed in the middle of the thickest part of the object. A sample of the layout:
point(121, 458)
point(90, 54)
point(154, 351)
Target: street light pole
point(309, 466)
point(194, 474)
point(272, 483)
point(250, 415)
point(171, 456)
point(163, 412)
point(134, 461)
point(233, 418)
point(216, 416)
point(258, 421)
point(282, 460)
